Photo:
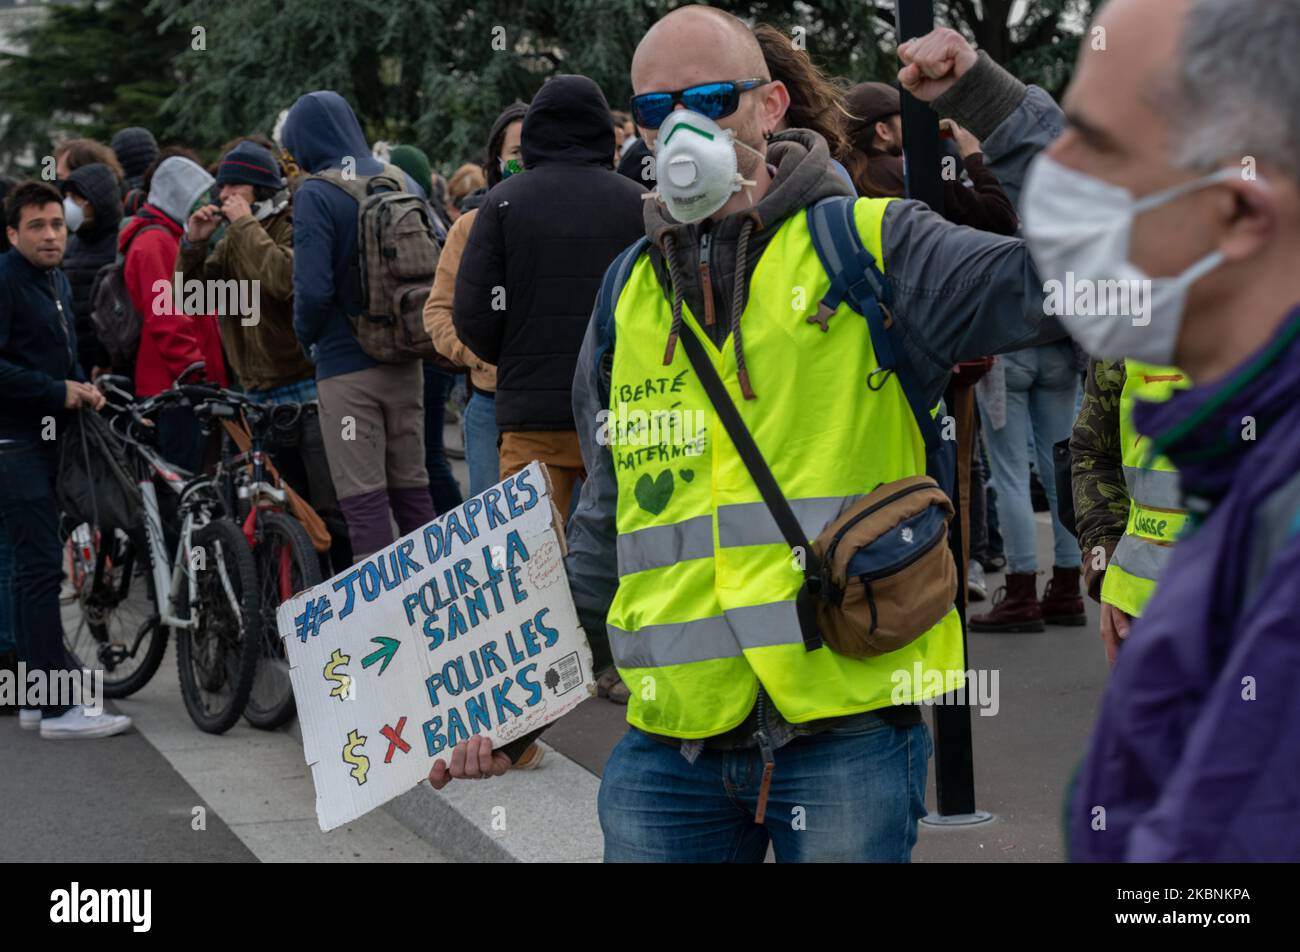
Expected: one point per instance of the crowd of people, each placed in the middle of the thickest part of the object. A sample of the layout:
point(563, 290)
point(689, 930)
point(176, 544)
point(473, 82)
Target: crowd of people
point(586, 252)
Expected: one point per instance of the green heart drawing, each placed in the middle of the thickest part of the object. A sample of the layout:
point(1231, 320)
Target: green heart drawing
point(653, 495)
point(686, 474)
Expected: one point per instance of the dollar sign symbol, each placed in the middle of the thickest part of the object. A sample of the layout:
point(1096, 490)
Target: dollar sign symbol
point(337, 660)
point(360, 762)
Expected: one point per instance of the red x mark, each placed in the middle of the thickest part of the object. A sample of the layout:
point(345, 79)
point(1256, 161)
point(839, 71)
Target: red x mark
point(395, 740)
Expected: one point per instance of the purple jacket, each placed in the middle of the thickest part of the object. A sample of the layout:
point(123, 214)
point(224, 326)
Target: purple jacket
point(1196, 753)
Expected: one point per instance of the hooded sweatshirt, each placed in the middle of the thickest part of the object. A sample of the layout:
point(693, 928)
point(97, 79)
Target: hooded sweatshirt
point(546, 236)
point(89, 249)
point(320, 131)
point(169, 342)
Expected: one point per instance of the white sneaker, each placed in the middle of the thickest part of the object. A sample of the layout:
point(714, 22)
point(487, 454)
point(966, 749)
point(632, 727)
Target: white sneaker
point(977, 587)
point(78, 722)
point(29, 719)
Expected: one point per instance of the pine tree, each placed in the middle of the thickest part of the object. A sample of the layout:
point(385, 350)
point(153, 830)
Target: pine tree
point(87, 70)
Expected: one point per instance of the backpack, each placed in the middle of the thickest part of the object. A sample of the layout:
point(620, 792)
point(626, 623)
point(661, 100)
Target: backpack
point(117, 320)
point(855, 280)
point(397, 256)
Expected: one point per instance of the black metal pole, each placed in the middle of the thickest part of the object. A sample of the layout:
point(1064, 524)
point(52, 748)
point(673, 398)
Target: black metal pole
point(954, 763)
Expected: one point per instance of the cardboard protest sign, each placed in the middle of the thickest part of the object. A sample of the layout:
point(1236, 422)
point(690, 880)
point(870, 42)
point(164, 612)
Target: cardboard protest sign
point(466, 626)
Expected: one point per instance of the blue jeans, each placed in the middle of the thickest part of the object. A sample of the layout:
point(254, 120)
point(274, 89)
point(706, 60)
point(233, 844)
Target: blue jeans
point(443, 488)
point(1041, 386)
point(480, 429)
point(848, 795)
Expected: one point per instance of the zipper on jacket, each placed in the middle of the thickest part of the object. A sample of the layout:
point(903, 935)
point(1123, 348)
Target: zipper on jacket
point(835, 539)
point(63, 322)
point(706, 283)
point(765, 748)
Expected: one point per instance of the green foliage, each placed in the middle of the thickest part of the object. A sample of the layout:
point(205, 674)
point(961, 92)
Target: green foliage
point(431, 72)
point(77, 78)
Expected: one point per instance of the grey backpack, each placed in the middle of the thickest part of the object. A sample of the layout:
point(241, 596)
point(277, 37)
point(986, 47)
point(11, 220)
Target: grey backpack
point(397, 256)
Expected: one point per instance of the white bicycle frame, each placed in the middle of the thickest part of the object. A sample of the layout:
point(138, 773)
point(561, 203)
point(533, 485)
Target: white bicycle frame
point(166, 583)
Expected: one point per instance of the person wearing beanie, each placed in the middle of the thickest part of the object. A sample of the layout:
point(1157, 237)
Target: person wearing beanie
point(257, 246)
point(93, 202)
point(169, 342)
point(136, 148)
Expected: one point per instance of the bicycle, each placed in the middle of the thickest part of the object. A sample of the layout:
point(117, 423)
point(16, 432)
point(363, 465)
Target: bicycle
point(287, 562)
point(206, 592)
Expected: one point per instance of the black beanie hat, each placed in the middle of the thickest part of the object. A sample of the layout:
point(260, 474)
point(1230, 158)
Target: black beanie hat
point(135, 148)
point(249, 164)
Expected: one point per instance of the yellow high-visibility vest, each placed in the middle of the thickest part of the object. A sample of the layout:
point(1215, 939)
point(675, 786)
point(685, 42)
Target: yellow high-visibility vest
point(1156, 515)
point(705, 606)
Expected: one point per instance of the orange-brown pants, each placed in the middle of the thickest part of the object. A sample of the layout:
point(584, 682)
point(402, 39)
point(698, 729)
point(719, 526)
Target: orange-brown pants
point(558, 449)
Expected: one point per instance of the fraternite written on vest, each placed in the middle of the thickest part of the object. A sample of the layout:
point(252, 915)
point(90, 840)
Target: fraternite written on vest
point(465, 626)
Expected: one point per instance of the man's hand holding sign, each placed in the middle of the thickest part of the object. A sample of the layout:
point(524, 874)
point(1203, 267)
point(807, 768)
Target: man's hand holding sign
point(456, 639)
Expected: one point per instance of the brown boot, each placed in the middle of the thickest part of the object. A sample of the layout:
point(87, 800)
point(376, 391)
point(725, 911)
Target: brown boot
point(1015, 607)
point(1062, 600)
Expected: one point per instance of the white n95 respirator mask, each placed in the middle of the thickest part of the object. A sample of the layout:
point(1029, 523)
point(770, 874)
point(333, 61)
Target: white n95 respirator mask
point(695, 164)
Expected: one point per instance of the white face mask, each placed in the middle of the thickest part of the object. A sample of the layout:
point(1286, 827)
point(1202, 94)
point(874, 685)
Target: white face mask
point(73, 216)
point(695, 164)
point(1077, 229)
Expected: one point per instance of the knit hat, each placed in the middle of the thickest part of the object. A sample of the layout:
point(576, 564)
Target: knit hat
point(249, 164)
point(135, 148)
point(415, 164)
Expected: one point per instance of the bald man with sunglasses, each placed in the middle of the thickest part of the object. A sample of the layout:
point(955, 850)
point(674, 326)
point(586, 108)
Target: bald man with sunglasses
point(741, 736)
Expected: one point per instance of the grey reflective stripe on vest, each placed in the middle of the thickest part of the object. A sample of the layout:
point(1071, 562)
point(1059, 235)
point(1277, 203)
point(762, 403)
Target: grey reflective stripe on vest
point(1153, 487)
point(720, 636)
point(657, 546)
point(751, 523)
point(1141, 558)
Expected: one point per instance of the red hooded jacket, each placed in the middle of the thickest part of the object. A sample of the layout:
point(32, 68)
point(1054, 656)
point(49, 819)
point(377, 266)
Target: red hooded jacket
point(169, 342)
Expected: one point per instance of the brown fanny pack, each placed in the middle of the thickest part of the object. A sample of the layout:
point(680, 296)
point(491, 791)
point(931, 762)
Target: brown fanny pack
point(881, 574)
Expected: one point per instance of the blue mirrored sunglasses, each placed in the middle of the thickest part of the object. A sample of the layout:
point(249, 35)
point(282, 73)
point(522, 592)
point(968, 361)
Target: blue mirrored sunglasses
point(714, 100)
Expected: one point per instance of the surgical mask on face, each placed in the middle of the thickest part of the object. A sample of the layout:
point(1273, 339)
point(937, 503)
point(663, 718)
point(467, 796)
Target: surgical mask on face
point(73, 216)
point(1077, 229)
point(695, 162)
point(509, 167)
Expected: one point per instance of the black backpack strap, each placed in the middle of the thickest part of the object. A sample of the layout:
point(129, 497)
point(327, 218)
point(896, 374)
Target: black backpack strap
point(766, 483)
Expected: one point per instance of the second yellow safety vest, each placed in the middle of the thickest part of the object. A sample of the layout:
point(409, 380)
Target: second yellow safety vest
point(1156, 516)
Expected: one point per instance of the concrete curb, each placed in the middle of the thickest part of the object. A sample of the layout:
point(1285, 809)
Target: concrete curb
point(547, 815)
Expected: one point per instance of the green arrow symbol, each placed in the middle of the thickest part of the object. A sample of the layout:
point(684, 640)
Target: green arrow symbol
point(387, 648)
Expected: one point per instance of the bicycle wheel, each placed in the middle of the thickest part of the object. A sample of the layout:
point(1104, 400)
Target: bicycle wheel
point(286, 564)
point(216, 660)
point(116, 628)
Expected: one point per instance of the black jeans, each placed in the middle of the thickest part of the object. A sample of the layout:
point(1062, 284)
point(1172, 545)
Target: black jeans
point(31, 517)
point(305, 468)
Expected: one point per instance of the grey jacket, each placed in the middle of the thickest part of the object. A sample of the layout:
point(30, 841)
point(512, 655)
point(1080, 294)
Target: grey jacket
point(958, 294)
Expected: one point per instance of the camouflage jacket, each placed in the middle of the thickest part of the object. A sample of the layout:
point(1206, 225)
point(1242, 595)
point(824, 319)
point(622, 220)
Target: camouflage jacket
point(1101, 500)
